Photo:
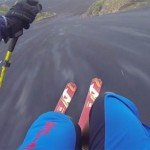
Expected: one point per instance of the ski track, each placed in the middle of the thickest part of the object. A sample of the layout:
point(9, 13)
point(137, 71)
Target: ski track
point(70, 48)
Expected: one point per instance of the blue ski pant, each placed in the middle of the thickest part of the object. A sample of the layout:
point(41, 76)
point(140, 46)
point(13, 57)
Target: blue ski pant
point(114, 125)
point(52, 131)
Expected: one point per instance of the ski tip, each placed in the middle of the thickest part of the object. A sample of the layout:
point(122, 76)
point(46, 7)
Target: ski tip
point(97, 81)
point(72, 86)
point(66, 98)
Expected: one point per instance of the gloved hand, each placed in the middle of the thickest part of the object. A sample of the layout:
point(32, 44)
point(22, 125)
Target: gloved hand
point(21, 15)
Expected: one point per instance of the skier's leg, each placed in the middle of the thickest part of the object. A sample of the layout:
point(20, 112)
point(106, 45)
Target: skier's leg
point(53, 130)
point(97, 125)
point(114, 124)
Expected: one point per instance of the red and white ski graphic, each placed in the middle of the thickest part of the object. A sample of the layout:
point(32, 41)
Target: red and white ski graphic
point(66, 98)
point(93, 93)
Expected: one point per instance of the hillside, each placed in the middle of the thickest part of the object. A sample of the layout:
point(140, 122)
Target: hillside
point(101, 7)
point(88, 8)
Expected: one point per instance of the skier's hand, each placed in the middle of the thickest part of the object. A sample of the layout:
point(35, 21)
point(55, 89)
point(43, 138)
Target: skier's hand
point(21, 15)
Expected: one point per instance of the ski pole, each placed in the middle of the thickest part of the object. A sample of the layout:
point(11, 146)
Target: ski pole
point(7, 59)
point(8, 56)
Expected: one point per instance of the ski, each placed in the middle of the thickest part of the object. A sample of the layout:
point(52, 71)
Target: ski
point(93, 93)
point(66, 98)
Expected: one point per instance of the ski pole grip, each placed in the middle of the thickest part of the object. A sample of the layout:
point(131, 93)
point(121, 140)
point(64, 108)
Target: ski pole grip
point(12, 44)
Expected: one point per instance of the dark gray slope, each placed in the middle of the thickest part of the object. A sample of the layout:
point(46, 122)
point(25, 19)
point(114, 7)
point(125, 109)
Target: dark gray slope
point(115, 48)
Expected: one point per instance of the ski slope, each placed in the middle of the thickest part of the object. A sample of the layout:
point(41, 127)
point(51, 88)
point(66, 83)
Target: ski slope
point(69, 48)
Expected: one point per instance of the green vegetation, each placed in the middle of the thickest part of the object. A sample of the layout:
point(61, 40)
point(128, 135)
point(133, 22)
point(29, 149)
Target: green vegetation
point(44, 15)
point(113, 6)
point(95, 8)
point(3, 9)
point(101, 7)
point(134, 5)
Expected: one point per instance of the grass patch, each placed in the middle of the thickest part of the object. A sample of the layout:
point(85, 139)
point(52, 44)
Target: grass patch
point(44, 15)
point(135, 5)
point(101, 7)
point(3, 9)
point(95, 8)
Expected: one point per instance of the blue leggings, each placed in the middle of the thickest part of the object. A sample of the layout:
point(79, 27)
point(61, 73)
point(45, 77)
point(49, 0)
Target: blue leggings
point(52, 131)
point(114, 125)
